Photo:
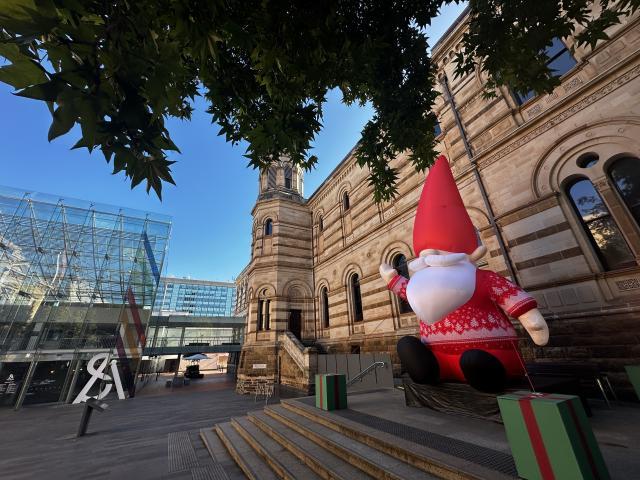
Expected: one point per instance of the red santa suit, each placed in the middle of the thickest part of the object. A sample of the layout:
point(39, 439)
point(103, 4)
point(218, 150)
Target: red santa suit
point(479, 321)
point(478, 324)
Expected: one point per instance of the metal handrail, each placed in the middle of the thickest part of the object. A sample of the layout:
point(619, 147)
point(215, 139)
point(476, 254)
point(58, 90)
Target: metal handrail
point(366, 371)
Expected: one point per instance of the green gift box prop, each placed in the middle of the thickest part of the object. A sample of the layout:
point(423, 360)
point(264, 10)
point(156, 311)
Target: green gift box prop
point(331, 391)
point(550, 437)
point(633, 371)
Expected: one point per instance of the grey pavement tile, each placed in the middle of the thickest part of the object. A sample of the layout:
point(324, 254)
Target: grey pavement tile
point(129, 440)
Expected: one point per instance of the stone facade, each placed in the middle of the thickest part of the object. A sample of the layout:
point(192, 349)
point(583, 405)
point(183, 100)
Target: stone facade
point(525, 157)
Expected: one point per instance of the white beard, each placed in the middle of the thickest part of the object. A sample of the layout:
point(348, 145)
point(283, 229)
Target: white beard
point(435, 291)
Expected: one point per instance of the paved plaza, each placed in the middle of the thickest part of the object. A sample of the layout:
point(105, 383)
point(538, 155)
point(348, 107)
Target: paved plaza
point(133, 439)
point(156, 435)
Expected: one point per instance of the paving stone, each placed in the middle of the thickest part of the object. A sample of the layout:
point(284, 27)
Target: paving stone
point(128, 440)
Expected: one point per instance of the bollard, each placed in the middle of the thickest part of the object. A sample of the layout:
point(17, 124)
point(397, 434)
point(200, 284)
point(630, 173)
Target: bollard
point(90, 405)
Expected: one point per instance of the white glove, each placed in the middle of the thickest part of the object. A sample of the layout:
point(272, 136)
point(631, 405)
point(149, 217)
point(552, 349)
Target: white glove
point(535, 324)
point(387, 272)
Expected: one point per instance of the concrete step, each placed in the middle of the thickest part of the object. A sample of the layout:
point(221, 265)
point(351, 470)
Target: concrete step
point(253, 466)
point(371, 461)
point(220, 454)
point(434, 462)
point(281, 461)
point(326, 465)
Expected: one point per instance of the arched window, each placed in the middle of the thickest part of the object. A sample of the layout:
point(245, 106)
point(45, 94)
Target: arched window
point(321, 223)
point(260, 319)
point(264, 305)
point(287, 177)
point(267, 317)
point(345, 201)
point(625, 173)
point(604, 234)
point(356, 298)
point(268, 227)
point(324, 298)
point(399, 262)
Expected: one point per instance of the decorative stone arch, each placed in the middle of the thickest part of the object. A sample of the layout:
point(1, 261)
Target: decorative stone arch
point(264, 293)
point(265, 290)
point(348, 270)
point(345, 187)
point(298, 296)
point(395, 247)
point(289, 289)
point(390, 252)
point(317, 214)
point(608, 139)
point(478, 217)
point(322, 283)
point(323, 310)
point(558, 166)
point(265, 216)
point(347, 275)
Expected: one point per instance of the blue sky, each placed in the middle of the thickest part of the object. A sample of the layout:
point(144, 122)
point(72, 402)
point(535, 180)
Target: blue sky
point(211, 204)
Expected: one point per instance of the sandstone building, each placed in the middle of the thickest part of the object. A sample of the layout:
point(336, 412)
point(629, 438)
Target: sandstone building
point(552, 183)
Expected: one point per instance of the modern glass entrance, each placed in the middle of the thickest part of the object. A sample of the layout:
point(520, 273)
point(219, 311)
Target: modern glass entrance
point(76, 279)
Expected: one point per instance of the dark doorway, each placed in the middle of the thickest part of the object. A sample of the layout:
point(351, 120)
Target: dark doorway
point(295, 323)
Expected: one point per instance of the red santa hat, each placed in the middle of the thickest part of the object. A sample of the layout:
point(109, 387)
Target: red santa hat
point(442, 222)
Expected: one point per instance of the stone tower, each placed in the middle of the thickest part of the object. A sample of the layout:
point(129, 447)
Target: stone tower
point(280, 313)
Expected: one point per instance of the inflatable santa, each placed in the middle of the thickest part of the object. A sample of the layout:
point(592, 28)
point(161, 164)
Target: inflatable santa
point(465, 331)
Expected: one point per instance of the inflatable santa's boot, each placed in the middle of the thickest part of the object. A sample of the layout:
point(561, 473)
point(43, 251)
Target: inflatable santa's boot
point(418, 361)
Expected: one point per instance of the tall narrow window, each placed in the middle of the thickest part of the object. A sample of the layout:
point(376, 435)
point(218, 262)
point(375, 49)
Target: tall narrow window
point(268, 227)
point(437, 129)
point(267, 317)
point(604, 234)
point(321, 223)
point(324, 298)
point(287, 177)
point(400, 264)
point(345, 201)
point(356, 298)
point(271, 178)
point(625, 173)
point(260, 321)
point(559, 61)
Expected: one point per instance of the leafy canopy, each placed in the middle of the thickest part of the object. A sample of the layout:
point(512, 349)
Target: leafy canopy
point(120, 68)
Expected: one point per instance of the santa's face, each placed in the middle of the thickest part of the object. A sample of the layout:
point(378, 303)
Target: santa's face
point(440, 283)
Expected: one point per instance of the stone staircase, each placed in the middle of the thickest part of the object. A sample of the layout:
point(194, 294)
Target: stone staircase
point(294, 440)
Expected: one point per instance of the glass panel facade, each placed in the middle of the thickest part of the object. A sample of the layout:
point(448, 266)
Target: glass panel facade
point(195, 297)
point(76, 279)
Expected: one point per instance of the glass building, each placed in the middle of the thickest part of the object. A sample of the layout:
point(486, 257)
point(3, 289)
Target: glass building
point(76, 279)
point(195, 297)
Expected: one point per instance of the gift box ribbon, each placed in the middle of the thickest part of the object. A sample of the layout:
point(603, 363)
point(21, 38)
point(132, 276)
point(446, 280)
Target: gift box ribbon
point(535, 435)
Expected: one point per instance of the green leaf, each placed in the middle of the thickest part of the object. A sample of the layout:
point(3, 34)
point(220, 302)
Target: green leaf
point(22, 74)
point(48, 91)
point(63, 120)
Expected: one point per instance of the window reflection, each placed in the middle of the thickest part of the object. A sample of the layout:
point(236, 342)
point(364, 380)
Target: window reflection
point(325, 307)
point(625, 173)
point(560, 61)
point(399, 262)
point(356, 298)
point(603, 232)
